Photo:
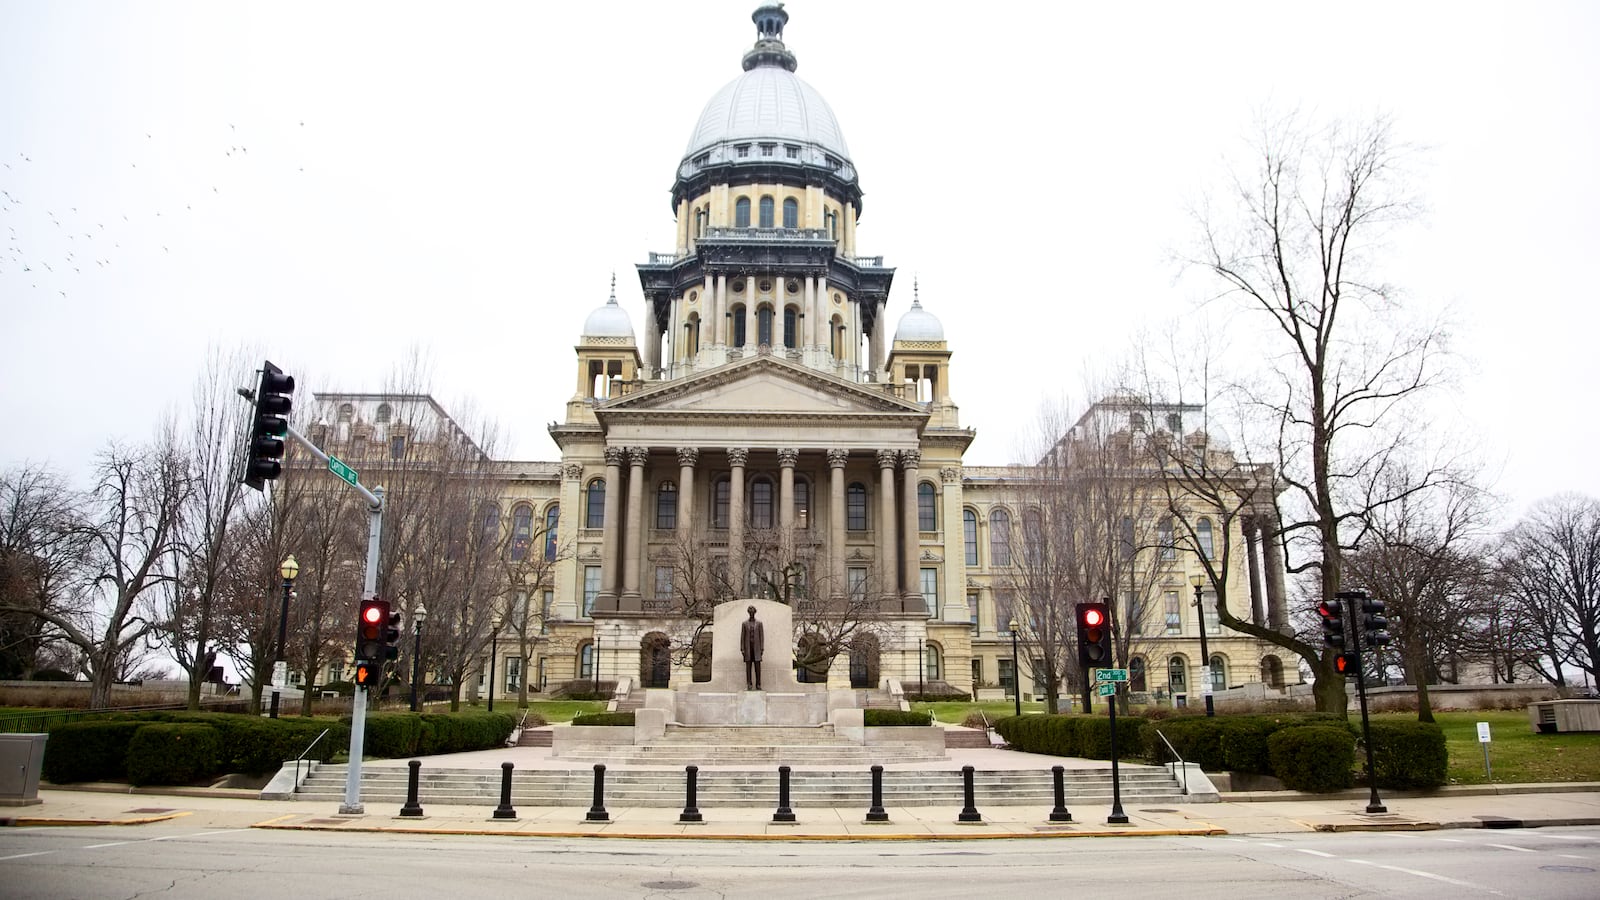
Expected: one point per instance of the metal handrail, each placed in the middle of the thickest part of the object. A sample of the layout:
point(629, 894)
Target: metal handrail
point(1174, 751)
point(302, 756)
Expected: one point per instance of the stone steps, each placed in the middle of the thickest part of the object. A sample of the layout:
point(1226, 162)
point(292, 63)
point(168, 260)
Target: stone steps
point(744, 787)
point(536, 737)
point(965, 738)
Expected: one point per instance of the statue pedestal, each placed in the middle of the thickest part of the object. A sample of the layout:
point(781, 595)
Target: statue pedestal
point(798, 709)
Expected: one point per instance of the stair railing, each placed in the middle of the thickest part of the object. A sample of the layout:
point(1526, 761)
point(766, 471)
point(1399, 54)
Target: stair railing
point(302, 756)
point(1173, 750)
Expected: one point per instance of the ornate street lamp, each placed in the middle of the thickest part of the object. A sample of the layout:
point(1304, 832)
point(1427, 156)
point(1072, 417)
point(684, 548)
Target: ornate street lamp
point(494, 647)
point(417, 618)
point(1208, 684)
point(1016, 670)
point(288, 570)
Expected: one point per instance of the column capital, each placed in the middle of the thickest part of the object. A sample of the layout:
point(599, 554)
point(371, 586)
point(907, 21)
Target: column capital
point(738, 456)
point(615, 456)
point(688, 456)
point(788, 457)
point(887, 459)
point(572, 471)
point(838, 457)
point(910, 459)
point(638, 455)
point(948, 474)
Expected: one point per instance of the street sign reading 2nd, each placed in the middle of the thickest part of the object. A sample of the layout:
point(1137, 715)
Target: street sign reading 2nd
point(1103, 675)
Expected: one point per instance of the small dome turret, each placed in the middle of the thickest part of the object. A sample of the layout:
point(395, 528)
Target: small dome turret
point(919, 325)
point(609, 321)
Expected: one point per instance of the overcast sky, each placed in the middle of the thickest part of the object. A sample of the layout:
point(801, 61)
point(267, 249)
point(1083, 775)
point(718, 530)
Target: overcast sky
point(337, 183)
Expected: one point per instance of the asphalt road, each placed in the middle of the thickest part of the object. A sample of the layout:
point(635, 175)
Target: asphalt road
point(172, 861)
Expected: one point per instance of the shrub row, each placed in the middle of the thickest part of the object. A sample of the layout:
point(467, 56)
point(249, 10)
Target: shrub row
point(88, 751)
point(876, 717)
point(1088, 737)
point(427, 734)
point(1315, 758)
point(1228, 743)
point(101, 748)
point(603, 718)
point(1409, 756)
point(173, 753)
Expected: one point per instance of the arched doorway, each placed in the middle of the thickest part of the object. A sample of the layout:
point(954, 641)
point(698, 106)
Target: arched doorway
point(864, 661)
point(702, 657)
point(655, 660)
point(1272, 672)
point(811, 661)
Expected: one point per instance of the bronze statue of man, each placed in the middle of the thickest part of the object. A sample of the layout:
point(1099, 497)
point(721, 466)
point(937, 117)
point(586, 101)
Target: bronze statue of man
point(751, 639)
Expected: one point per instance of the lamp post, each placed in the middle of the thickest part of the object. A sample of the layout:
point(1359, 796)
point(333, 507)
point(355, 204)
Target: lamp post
point(288, 570)
point(494, 647)
point(417, 618)
point(616, 644)
point(922, 661)
point(1208, 684)
point(1016, 670)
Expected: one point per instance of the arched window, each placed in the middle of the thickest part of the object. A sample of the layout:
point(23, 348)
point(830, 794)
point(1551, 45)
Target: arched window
point(791, 213)
point(927, 519)
point(933, 668)
point(667, 506)
point(789, 326)
point(719, 502)
point(764, 326)
point(969, 535)
point(596, 499)
point(1177, 680)
point(1219, 672)
point(1136, 675)
point(1033, 537)
point(855, 507)
point(1202, 531)
point(741, 212)
point(346, 412)
point(521, 532)
point(761, 503)
point(738, 325)
point(1164, 538)
point(830, 221)
point(586, 661)
point(766, 212)
point(384, 412)
point(1000, 538)
point(699, 223)
point(802, 503)
point(552, 518)
point(489, 525)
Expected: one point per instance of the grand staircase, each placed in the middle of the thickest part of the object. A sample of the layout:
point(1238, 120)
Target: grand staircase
point(742, 745)
point(845, 786)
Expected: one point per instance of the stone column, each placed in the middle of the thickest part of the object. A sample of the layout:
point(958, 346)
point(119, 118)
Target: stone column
point(737, 456)
point(610, 543)
point(1277, 608)
point(687, 457)
point(777, 318)
point(1252, 534)
point(912, 536)
point(787, 457)
point(652, 340)
point(719, 312)
point(708, 306)
point(808, 304)
point(751, 338)
point(888, 552)
point(634, 539)
point(824, 316)
point(879, 335)
point(837, 458)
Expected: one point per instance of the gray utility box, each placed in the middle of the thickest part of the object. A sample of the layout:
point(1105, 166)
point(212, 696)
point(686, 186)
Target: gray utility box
point(21, 758)
point(1564, 715)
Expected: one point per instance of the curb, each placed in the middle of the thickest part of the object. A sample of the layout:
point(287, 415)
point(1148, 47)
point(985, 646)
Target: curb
point(682, 836)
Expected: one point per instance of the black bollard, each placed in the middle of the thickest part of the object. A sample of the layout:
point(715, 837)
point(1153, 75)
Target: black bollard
point(969, 813)
point(876, 813)
point(784, 813)
point(412, 807)
point(1060, 814)
point(691, 780)
point(505, 810)
point(597, 812)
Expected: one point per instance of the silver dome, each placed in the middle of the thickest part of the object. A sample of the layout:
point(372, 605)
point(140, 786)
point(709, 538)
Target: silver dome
point(609, 321)
point(767, 103)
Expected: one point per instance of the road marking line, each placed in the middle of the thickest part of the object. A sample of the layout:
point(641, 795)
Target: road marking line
point(26, 855)
point(1271, 844)
point(1315, 853)
point(1561, 837)
point(1421, 874)
point(112, 844)
point(1510, 847)
point(1452, 840)
point(1571, 856)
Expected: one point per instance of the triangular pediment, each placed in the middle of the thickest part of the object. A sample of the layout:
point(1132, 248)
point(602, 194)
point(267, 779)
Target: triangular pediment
point(762, 385)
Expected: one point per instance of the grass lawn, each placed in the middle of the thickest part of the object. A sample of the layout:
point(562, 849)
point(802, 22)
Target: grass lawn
point(1516, 754)
point(558, 710)
point(956, 713)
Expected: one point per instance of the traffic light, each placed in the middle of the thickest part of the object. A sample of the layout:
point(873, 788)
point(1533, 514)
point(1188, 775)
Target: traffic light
point(264, 458)
point(1094, 635)
point(391, 637)
point(1374, 626)
point(1347, 663)
point(368, 674)
point(1332, 613)
point(372, 626)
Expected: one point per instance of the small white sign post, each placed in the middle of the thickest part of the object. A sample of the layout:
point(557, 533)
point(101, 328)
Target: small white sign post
point(1483, 738)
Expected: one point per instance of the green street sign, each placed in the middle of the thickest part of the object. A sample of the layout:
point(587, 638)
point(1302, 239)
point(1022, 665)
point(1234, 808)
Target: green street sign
point(1110, 675)
point(338, 468)
point(1106, 689)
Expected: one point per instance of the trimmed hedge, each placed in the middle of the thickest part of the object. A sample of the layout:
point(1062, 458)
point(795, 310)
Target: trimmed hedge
point(1409, 756)
point(1230, 743)
point(603, 718)
point(88, 751)
point(1316, 758)
point(413, 734)
point(173, 753)
point(877, 717)
point(1087, 737)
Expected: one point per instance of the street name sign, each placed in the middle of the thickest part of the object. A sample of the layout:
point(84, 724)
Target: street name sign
point(1110, 675)
point(1106, 688)
point(337, 467)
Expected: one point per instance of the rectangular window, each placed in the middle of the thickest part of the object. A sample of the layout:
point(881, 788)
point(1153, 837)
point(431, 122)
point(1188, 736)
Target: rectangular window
point(926, 505)
point(663, 582)
point(969, 536)
point(972, 611)
point(397, 447)
point(977, 671)
point(856, 582)
point(1174, 614)
point(761, 504)
point(591, 588)
point(544, 612)
point(802, 504)
point(768, 149)
point(1127, 537)
point(719, 504)
point(791, 151)
point(538, 681)
point(930, 591)
point(1209, 606)
point(1164, 536)
point(855, 508)
point(513, 674)
point(1135, 612)
point(1007, 677)
point(1004, 609)
point(742, 151)
point(667, 507)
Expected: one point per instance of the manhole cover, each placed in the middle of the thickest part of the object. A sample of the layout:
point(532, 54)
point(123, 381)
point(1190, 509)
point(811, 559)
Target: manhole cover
point(150, 809)
point(1566, 868)
point(669, 885)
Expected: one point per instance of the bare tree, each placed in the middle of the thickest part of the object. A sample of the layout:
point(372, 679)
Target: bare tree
point(41, 542)
point(1550, 563)
point(528, 574)
point(1299, 252)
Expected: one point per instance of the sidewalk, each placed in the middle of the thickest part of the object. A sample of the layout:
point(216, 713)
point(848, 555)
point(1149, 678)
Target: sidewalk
point(1502, 806)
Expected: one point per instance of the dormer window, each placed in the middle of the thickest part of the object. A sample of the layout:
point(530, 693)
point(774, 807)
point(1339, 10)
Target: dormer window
point(834, 163)
point(791, 151)
point(741, 151)
point(768, 149)
point(702, 160)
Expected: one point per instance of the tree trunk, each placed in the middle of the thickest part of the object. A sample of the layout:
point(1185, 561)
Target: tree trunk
point(1329, 687)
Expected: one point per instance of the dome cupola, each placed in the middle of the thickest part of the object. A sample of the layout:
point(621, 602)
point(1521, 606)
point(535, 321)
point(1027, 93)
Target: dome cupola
point(610, 321)
point(919, 325)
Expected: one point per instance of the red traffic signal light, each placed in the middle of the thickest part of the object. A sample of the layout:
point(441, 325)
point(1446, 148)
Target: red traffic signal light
point(1094, 635)
point(367, 674)
point(1332, 614)
point(371, 625)
point(1346, 663)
